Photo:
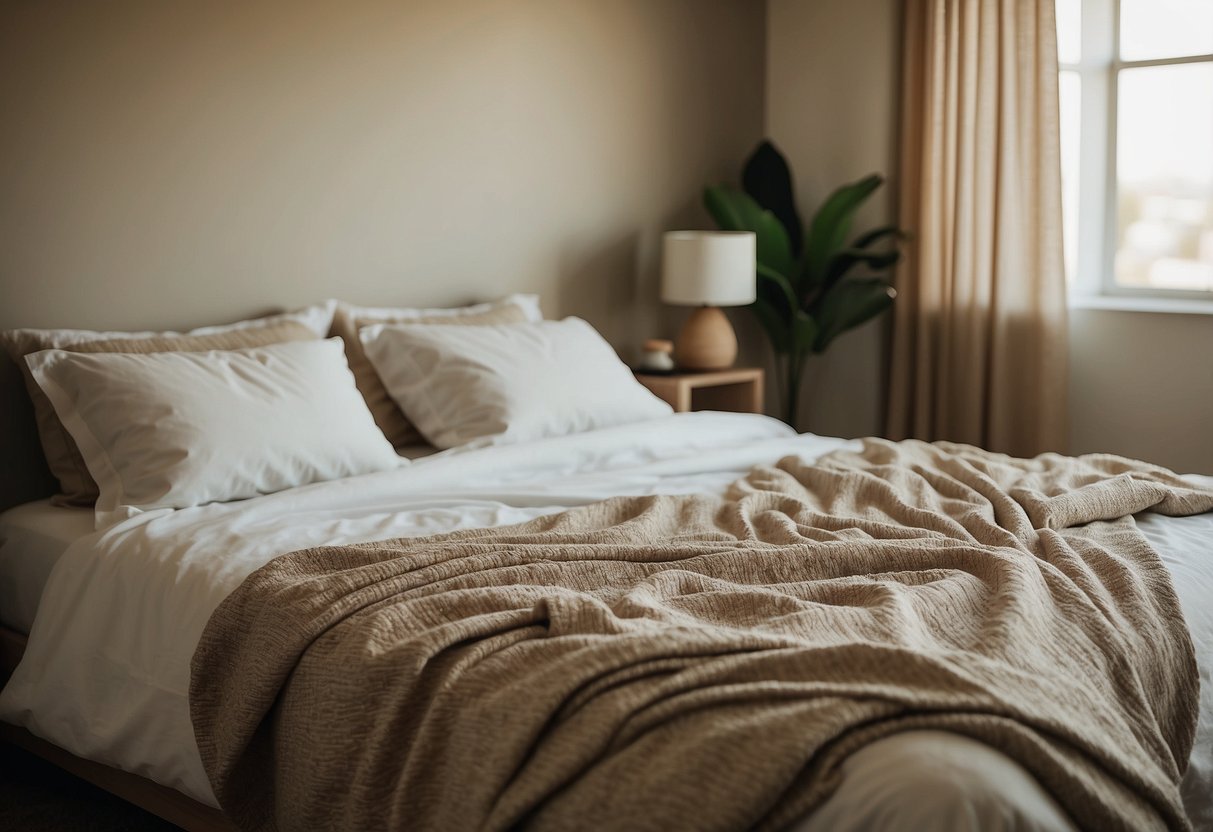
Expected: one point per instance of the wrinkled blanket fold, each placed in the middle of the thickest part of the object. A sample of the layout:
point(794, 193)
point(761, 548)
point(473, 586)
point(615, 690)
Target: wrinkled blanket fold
point(699, 662)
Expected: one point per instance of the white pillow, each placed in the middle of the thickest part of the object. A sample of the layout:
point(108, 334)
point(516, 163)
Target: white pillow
point(172, 430)
point(370, 315)
point(76, 485)
point(318, 318)
point(508, 382)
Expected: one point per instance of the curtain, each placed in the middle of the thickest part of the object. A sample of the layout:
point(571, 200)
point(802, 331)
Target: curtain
point(979, 330)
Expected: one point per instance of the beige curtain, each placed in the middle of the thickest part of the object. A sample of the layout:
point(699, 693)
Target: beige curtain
point(979, 334)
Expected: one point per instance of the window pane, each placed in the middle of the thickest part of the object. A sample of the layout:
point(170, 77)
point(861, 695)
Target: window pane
point(1071, 121)
point(1165, 29)
point(1165, 177)
point(1069, 31)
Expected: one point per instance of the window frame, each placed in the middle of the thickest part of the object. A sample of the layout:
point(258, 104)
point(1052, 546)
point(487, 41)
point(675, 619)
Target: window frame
point(1098, 70)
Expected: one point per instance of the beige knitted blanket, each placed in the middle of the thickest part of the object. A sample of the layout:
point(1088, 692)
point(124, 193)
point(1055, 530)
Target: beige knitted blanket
point(700, 663)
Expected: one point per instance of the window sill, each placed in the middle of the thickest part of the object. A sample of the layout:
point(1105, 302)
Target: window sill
point(1178, 306)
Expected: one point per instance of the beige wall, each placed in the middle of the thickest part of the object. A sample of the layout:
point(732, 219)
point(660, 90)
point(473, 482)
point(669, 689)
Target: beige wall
point(170, 164)
point(831, 92)
point(1141, 385)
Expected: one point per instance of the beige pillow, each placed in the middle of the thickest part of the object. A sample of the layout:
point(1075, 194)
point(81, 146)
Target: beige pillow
point(348, 320)
point(500, 385)
point(76, 485)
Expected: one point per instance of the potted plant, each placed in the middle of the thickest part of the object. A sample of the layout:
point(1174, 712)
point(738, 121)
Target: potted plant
point(808, 292)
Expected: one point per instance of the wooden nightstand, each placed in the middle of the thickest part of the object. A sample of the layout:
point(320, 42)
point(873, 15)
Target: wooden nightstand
point(739, 389)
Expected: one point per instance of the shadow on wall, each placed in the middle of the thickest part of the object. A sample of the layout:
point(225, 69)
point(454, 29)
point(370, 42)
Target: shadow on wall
point(844, 390)
point(600, 283)
point(615, 283)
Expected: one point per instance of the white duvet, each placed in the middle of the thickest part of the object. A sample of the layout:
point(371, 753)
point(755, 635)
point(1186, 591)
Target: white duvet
point(106, 672)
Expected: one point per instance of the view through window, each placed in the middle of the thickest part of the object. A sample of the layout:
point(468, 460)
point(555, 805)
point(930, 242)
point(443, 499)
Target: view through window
point(1136, 91)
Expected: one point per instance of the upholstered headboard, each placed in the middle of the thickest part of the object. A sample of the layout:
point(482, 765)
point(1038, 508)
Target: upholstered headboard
point(25, 475)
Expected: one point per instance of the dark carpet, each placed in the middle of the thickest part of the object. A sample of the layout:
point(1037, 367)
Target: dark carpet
point(36, 796)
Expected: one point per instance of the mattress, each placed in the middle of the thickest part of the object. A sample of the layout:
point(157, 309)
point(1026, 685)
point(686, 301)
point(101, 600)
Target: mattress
point(32, 539)
point(106, 673)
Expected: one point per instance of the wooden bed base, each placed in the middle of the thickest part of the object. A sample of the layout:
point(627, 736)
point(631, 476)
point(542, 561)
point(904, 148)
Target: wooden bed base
point(169, 804)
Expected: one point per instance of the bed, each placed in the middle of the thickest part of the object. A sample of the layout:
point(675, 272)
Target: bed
point(106, 621)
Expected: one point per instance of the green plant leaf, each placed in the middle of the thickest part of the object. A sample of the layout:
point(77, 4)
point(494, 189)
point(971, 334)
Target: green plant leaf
point(830, 228)
point(848, 258)
point(775, 324)
point(735, 210)
point(727, 208)
point(767, 177)
point(849, 304)
point(875, 260)
point(865, 240)
point(804, 332)
point(774, 294)
point(784, 285)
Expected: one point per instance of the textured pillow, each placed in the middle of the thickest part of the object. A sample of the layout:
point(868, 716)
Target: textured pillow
point(178, 429)
point(63, 458)
point(350, 319)
point(506, 383)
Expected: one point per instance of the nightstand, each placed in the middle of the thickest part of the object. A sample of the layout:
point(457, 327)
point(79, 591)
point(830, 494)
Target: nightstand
point(738, 389)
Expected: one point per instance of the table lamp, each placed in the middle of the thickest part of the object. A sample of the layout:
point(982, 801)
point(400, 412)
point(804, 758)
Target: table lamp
point(707, 269)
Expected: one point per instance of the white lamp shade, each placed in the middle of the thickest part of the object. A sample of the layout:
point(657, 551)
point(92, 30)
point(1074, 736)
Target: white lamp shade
point(708, 268)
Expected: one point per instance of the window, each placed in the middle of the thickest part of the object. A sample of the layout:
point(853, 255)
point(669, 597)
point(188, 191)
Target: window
point(1136, 90)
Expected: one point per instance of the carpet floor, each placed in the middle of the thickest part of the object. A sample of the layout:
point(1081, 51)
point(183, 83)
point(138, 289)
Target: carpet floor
point(37, 797)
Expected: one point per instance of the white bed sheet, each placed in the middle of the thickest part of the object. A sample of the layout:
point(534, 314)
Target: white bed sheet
point(32, 539)
point(106, 673)
point(35, 535)
point(1186, 546)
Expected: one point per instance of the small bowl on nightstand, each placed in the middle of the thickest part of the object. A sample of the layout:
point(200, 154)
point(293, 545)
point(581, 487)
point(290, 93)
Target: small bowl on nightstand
point(657, 357)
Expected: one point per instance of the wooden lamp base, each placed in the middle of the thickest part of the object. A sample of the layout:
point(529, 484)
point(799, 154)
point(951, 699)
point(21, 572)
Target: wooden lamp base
point(706, 342)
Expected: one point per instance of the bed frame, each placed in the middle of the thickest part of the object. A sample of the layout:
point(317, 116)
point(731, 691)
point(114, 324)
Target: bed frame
point(166, 803)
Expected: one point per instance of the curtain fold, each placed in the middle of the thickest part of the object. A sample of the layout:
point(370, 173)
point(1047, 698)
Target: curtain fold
point(979, 349)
